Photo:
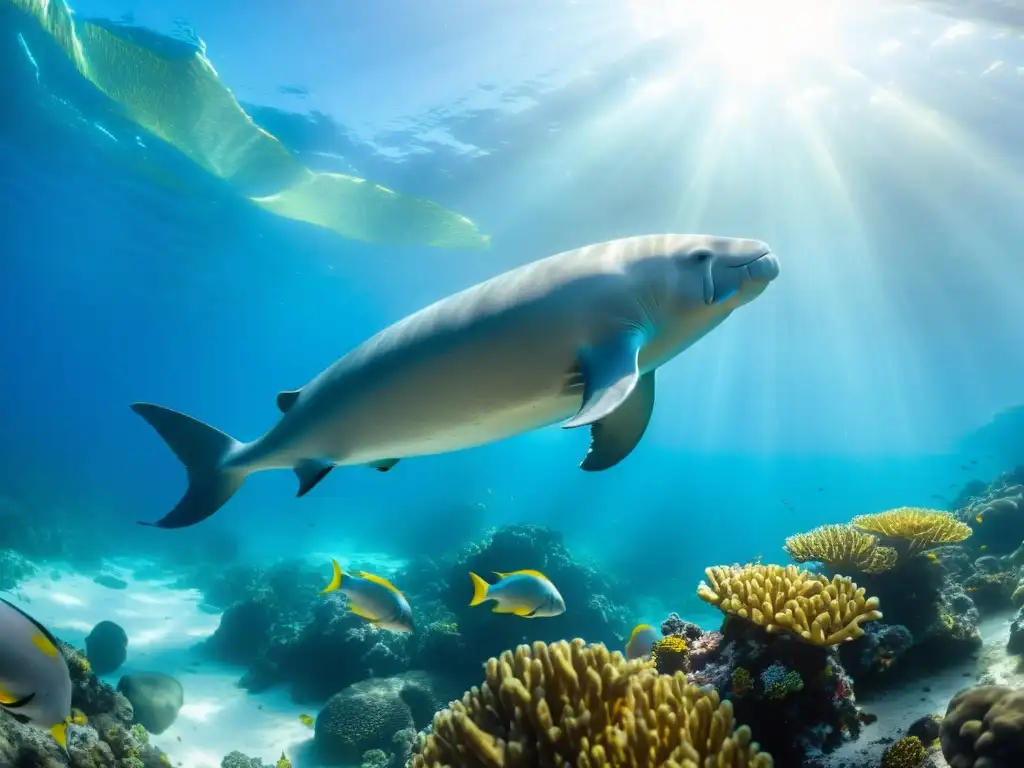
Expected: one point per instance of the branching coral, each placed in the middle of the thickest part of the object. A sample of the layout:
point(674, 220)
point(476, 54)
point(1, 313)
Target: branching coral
point(841, 547)
point(916, 529)
point(792, 600)
point(908, 752)
point(669, 655)
point(572, 704)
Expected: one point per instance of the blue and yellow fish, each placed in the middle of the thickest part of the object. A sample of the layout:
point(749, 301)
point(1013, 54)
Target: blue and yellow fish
point(641, 641)
point(529, 594)
point(374, 598)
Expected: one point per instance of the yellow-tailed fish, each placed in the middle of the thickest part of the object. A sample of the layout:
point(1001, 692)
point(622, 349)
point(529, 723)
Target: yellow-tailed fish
point(529, 594)
point(306, 720)
point(373, 597)
point(35, 685)
point(641, 641)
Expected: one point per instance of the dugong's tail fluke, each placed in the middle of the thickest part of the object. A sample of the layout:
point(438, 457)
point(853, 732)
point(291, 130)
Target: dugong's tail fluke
point(202, 449)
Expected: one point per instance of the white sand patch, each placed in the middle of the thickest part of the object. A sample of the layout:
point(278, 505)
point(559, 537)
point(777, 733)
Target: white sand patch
point(897, 709)
point(164, 624)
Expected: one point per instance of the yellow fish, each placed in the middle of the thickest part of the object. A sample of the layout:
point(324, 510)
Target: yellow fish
point(78, 717)
point(980, 518)
point(373, 597)
point(641, 641)
point(529, 594)
point(306, 720)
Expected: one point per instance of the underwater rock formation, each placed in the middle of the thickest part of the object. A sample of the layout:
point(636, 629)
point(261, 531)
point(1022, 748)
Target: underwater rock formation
point(106, 740)
point(367, 715)
point(155, 698)
point(14, 569)
point(592, 598)
point(984, 728)
point(106, 647)
point(996, 514)
point(577, 704)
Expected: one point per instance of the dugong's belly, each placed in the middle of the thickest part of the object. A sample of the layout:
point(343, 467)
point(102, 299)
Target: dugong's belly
point(450, 394)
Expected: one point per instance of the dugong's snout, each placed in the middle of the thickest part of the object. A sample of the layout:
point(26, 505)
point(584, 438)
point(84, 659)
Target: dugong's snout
point(743, 273)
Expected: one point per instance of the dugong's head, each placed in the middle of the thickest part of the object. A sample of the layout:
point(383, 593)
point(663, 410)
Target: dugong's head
point(725, 271)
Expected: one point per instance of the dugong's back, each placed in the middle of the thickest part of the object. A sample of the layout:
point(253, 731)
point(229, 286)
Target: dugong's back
point(488, 362)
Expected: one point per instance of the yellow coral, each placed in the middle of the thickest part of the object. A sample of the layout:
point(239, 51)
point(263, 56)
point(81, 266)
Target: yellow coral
point(791, 600)
point(908, 752)
point(579, 705)
point(915, 528)
point(669, 655)
point(841, 547)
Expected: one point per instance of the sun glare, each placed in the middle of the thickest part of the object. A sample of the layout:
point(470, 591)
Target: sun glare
point(750, 41)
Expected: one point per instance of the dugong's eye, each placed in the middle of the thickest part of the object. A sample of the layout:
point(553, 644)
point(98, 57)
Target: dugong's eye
point(700, 256)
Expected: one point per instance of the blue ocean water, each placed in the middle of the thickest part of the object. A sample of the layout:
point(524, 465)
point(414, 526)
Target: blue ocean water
point(878, 155)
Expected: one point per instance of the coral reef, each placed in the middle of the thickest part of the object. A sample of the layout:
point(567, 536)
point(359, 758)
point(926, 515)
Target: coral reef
point(106, 740)
point(788, 599)
point(995, 513)
point(367, 715)
point(908, 752)
point(913, 530)
point(984, 728)
point(669, 655)
point(559, 704)
point(842, 548)
point(795, 695)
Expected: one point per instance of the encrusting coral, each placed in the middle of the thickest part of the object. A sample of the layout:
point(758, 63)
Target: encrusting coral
point(841, 547)
point(915, 529)
point(669, 655)
point(575, 704)
point(789, 599)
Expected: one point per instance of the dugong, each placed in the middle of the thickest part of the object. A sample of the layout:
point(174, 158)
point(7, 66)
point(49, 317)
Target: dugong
point(575, 337)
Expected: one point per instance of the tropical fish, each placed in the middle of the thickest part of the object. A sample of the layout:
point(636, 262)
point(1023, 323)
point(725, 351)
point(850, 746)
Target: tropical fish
point(306, 720)
point(78, 717)
point(641, 641)
point(35, 685)
point(529, 594)
point(574, 338)
point(373, 597)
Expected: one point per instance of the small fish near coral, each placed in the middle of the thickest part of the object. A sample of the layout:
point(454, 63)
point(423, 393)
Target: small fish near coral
point(35, 684)
point(374, 598)
point(574, 338)
point(641, 641)
point(307, 720)
point(529, 594)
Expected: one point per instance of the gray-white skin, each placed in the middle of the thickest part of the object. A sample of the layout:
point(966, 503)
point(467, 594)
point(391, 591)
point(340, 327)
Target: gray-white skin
point(35, 685)
point(576, 336)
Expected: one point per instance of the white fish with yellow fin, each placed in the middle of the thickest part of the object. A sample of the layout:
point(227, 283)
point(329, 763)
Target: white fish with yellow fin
point(641, 641)
point(373, 597)
point(529, 594)
point(35, 685)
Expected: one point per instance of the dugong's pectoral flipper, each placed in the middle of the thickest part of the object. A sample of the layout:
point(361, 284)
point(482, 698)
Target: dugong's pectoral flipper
point(615, 436)
point(617, 401)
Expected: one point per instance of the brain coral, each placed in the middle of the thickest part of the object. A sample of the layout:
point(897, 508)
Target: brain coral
point(984, 728)
point(572, 704)
point(792, 600)
point(841, 547)
point(916, 529)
